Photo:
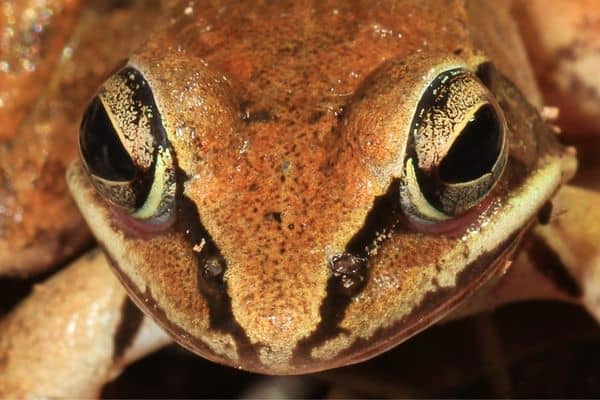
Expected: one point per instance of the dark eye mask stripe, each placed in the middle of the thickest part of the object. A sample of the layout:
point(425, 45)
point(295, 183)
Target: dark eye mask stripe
point(384, 217)
point(350, 270)
point(211, 270)
point(127, 329)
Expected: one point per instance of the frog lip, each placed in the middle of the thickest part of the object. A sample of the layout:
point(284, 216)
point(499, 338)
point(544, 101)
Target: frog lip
point(148, 304)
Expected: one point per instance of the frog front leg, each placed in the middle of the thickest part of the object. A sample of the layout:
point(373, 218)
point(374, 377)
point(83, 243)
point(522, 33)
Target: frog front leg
point(75, 332)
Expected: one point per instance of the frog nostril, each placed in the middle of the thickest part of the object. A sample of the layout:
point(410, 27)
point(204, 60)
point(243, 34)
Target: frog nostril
point(213, 268)
point(475, 151)
point(349, 273)
point(210, 276)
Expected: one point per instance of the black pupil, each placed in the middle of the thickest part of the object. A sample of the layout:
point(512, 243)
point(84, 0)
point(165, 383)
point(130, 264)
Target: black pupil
point(475, 151)
point(101, 148)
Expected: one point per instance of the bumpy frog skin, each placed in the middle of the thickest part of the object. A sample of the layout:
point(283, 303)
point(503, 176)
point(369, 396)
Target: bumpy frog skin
point(284, 187)
point(283, 246)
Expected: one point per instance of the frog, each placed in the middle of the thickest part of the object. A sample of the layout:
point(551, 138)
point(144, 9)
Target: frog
point(287, 188)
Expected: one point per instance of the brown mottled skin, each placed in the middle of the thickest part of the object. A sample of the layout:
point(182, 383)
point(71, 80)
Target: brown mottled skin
point(287, 121)
point(39, 224)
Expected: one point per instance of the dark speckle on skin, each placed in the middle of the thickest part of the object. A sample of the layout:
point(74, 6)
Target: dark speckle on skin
point(286, 166)
point(260, 116)
point(250, 116)
point(545, 213)
point(316, 117)
point(550, 265)
point(275, 216)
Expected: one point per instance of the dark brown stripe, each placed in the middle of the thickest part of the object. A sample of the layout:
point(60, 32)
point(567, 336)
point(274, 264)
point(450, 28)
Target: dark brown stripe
point(385, 216)
point(434, 306)
point(211, 271)
point(350, 270)
point(549, 264)
point(129, 325)
point(148, 304)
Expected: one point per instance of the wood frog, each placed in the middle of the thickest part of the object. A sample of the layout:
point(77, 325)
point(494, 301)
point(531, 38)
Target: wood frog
point(283, 187)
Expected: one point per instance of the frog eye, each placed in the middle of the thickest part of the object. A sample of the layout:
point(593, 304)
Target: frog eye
point(457, 149)
point(124, 148)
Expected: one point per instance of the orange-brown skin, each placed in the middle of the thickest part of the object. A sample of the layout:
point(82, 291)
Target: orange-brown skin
point(287, 121)
point(75, 49)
